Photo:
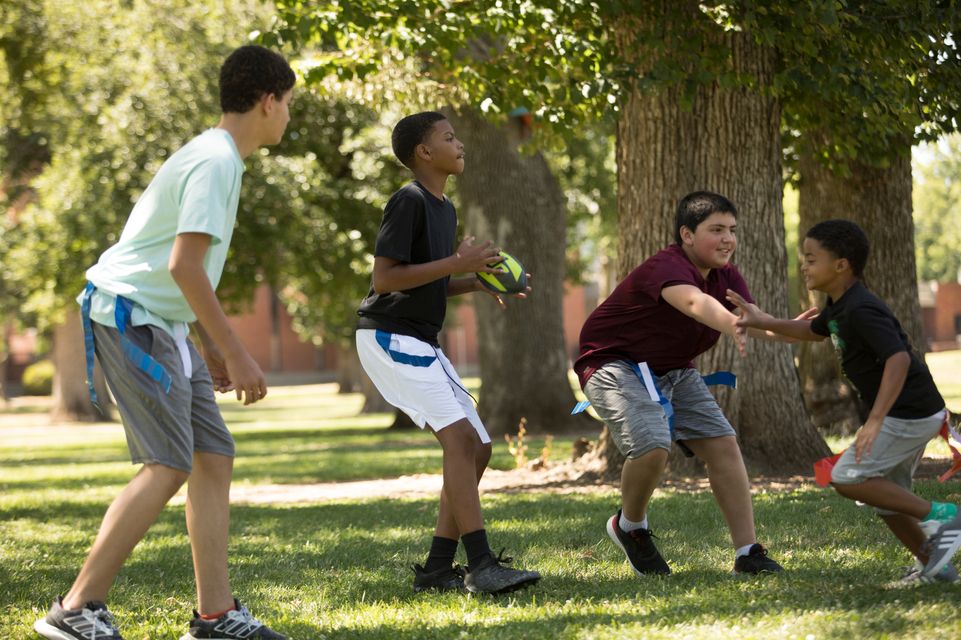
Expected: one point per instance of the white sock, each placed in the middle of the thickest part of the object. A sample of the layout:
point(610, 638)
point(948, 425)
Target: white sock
point(743, 551)
point(627, 525)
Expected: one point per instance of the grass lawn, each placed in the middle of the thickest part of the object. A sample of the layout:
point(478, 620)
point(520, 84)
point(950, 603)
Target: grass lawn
point(340, 569)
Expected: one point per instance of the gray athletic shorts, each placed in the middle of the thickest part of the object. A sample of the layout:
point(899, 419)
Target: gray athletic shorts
point(638, 424)
point(162, 428)
point(894, 455)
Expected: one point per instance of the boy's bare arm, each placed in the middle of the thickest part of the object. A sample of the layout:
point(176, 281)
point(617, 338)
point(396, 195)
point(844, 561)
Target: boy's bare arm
point(186, 266)
point(892, 382)
point(693, 302)
point(459, 286)
point(753, 318)
point(394, 275)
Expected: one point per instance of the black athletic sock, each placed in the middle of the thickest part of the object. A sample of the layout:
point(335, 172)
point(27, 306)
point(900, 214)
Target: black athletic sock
point(441, 555)
point(476, 546)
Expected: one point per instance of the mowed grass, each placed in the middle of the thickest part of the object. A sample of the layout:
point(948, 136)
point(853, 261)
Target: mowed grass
point(340, 569)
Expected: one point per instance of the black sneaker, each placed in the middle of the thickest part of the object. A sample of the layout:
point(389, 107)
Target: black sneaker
point(445, 579)
point(90, 622)
point(756, 561)
point(491, 576)
point(639, 548)
point(236, 624)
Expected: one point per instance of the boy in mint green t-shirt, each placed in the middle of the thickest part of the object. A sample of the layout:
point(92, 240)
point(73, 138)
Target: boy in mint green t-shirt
point(141, 295)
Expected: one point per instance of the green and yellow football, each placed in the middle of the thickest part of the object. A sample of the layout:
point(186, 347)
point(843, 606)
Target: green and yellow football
point(510, 277)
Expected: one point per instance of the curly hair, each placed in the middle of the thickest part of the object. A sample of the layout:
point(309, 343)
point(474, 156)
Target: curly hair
point(248, 74)
point(410, 132)
point(844, 239)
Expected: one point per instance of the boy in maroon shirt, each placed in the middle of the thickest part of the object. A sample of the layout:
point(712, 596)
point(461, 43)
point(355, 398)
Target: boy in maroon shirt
point(635, 366)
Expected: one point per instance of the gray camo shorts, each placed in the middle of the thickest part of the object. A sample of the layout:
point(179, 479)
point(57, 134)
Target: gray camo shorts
point(638, 424)
point(162, 428)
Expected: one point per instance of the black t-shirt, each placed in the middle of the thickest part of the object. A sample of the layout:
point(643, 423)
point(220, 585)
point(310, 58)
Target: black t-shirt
point(417, 227)
point(865, 334)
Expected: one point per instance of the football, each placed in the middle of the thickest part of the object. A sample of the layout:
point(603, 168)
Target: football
point(510, 277)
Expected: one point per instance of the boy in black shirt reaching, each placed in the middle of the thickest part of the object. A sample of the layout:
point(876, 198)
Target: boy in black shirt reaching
point(894, 384)
point(414, 258)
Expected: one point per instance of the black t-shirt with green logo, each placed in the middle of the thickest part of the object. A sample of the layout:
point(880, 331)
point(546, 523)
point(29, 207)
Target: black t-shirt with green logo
point(865, 334)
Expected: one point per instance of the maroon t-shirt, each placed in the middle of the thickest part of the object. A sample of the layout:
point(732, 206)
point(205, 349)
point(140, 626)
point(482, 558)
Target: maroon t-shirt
point(637, 325)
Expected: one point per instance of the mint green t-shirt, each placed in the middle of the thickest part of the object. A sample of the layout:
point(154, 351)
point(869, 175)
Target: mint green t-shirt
point(196, 190)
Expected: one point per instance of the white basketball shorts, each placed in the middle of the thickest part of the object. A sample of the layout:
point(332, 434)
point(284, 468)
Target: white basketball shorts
point(417, 378)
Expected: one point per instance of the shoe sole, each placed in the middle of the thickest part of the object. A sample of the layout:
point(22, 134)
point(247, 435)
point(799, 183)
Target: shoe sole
point(50, 632)
point(439, 589)
point(613, 535)
point(517, 586)
point(945, 557)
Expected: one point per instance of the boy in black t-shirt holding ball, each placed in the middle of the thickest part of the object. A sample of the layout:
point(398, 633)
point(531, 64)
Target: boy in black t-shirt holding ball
point(414, 259)
point(904, 407)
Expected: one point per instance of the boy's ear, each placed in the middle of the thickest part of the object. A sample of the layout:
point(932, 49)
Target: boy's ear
point(422, 152)
point(267, 102)
point(686, 233)
point(842, 265)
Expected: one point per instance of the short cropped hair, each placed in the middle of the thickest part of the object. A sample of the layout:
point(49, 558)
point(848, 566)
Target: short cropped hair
point(844, 239)
point(695, 208)
point(410, 132)
point(248, 74)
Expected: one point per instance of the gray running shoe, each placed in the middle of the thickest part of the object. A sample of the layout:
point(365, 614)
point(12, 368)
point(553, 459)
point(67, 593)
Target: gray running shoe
point(446, 579)
point(913, 576)
point(90, 622)
point(236, 624)
point(491, 576)
point(942, 546)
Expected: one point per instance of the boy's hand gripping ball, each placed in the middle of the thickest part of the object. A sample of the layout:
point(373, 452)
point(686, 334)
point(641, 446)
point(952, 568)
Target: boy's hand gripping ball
point(510, 277)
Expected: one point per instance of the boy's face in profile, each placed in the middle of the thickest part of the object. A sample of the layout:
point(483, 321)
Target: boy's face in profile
point(444, 153)
point(712, 244)
point(819, 267)
point(278, 114)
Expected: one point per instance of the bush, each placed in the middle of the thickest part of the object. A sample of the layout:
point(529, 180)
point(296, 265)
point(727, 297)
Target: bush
point(38, 379)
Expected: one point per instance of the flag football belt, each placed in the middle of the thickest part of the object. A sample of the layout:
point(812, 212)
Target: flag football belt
point(643, 372)
point(823, 467)
point(123, 308)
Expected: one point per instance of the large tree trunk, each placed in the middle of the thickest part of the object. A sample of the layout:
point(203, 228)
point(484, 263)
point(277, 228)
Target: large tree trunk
point(514, 200)
point(71, 400)
point(351, 378)
point(728, 142)
point(879, 200)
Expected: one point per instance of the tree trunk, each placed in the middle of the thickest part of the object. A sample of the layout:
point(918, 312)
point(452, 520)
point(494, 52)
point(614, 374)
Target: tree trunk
point(728, 142)
point(71, 400)
point(351, 378)
point(350, 373)
point(514, 200)
point(879, 200)
point(4, 361)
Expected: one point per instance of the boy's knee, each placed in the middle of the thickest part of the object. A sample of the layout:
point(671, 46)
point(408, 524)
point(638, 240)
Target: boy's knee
point(168, 477)
point(460, 437)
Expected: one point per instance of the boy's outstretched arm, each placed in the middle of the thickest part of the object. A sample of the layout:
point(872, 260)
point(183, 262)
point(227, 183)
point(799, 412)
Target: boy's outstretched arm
point(395, 275)
point(706, 309)
point(753, 318)
point(892, 382)
point(186, 266)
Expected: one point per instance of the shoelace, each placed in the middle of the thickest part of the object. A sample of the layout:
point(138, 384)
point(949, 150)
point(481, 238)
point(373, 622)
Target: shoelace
point(103, 624)
point(636, 533)
point(501, 559)
point(243, 615)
